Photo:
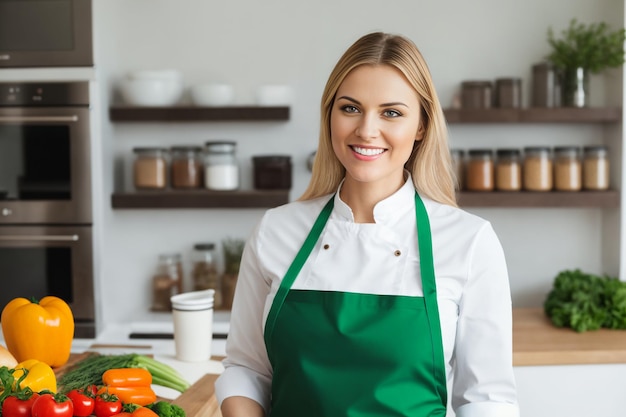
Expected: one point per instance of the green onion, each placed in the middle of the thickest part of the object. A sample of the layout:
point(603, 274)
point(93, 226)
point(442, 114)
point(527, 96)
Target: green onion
point(89, 371)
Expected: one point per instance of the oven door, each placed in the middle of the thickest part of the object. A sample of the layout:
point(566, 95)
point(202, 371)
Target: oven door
point(36, 261)
point(45, 169)
point(45, 33)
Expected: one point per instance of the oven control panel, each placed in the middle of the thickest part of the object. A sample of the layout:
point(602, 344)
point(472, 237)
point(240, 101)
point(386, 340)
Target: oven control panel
point(44, 94)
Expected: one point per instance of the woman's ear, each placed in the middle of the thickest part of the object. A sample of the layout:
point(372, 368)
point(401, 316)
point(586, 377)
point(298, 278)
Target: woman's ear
point(420, 133)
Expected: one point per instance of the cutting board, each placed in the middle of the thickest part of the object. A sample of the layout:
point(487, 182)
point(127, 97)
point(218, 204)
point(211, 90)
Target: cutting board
point(199, 400)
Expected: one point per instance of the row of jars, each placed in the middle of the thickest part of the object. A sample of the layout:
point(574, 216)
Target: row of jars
point(538, 168)
point(213, 167)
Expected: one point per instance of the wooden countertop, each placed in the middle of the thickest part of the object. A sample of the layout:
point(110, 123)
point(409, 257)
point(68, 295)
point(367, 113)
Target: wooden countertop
point(536, 341)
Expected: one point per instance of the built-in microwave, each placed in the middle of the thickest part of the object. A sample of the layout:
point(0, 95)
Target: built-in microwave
point(46, 33)
point(45, 153)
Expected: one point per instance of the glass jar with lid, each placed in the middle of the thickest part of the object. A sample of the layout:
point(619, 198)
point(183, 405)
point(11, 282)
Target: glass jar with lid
point(567, 168)
point(537, 170)
point(204, 271)
point(186, 167)
point(596, 167)
point(150, 168)
point(479, 172)
point(167, 281)
point(508, 170)
point(220, 165)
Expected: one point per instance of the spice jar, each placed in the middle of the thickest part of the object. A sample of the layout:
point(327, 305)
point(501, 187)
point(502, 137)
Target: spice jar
point(567, 168)
point(508, 170)
point(458, 156)
point(272, 172)
point(186, 168)
point(509, 92)
point(150, 168)
point(537, 169)
point(476, 94)
point(167, 281)
point(595, 168)
point(479, 173)
point(220, 164)
point(204, 272)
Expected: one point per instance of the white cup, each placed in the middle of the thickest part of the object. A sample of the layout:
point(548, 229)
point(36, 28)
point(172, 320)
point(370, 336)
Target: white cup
point(193, 325)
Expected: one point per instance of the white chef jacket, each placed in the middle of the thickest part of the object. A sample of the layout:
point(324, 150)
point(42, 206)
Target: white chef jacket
point(472, 291)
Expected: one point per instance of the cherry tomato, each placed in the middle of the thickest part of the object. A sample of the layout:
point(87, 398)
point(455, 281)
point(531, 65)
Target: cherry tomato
point(83, 401)
point(107, 405)
point(52, 405)
point(14, 406)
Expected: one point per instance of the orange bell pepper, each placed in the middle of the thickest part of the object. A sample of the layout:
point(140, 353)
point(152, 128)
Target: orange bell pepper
point(38, 330)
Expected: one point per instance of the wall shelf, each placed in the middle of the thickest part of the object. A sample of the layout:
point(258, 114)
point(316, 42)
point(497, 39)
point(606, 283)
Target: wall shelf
point(173, 199)
point(535, 115)
point(559, 199)
point(198, 114)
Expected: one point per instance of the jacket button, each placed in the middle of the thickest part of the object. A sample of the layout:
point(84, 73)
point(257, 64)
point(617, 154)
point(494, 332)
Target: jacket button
point(397, 252)
point(326, 246)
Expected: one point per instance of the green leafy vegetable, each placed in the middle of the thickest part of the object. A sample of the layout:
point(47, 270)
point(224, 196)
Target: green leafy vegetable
point(585, 302)
point(89, 371)
point(165, 409)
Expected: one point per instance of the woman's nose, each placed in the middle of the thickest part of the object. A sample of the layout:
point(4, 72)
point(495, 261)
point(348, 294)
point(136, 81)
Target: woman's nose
point(367, 128)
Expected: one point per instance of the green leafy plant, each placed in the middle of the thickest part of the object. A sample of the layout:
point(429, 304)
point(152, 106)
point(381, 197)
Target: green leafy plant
point(585, 302)
point(593, 47)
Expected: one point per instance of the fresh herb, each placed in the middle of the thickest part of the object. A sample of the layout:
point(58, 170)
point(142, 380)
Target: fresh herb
point(593, 47)
point(89, 371)
point(585, 301)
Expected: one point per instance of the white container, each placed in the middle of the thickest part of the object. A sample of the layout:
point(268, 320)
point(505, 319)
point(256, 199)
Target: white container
point(212, 94)
point(152, 88)
point(274, 95)
point(192, 313)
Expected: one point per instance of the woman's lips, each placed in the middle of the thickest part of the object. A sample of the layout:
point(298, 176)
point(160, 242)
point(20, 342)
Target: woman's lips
point(367, 153)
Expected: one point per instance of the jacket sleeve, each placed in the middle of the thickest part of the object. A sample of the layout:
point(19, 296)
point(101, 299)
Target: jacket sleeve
point(247, 369)
point(484, 384)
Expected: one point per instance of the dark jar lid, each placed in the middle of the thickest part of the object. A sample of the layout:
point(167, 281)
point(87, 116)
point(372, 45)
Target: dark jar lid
point(204, 246)
point(480, 152)
point(507, 152)
point(271, 160)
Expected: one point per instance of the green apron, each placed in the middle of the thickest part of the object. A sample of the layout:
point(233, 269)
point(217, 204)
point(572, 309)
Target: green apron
point(339, 354)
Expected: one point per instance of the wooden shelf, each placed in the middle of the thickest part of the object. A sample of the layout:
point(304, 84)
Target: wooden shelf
point(562, 199)
point(197, 114)
point(199, 199)
point(535, 115)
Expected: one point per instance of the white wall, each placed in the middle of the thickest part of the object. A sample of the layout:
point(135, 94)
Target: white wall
point(249, 43)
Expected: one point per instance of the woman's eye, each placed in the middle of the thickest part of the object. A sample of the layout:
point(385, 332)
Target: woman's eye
point(392, 113)
point(348, 108)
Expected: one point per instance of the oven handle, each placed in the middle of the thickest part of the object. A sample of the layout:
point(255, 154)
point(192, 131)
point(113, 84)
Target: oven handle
point(44, 119)
point(56, 238)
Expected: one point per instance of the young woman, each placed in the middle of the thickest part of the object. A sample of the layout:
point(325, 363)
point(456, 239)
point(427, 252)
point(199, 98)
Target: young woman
point(373, 295)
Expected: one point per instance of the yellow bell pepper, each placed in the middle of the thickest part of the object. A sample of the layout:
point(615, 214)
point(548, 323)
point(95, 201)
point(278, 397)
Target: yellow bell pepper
point(38, 330)
point(39, 376)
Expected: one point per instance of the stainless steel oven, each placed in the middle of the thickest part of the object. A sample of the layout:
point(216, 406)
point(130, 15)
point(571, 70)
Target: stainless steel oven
point(46, 221)
point(36, 261)
point(45, 170)
point(46, 33)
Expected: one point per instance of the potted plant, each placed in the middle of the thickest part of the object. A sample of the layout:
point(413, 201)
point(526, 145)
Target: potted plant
point(583, 49)
point(233, 249)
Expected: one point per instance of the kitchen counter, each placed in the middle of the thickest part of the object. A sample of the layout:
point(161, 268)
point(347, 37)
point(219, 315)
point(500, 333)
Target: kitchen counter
point(536, 341)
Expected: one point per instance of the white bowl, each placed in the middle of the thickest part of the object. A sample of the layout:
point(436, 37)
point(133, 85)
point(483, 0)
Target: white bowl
point(153, 91)
point(274, 95)
point(212, 94)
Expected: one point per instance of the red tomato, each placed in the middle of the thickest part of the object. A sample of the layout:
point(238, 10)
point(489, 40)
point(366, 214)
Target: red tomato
point(83, 401)
point(107, 405)
point(18, 407)
point(49, 405)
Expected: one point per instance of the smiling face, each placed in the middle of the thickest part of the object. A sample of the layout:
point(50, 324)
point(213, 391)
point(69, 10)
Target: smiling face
point(374, 123)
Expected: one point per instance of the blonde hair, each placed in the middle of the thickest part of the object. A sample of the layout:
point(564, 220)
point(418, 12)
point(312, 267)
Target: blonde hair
point(430, 162)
